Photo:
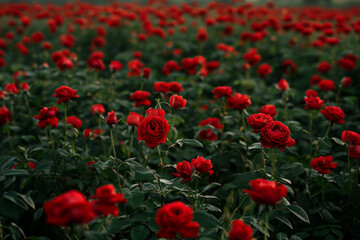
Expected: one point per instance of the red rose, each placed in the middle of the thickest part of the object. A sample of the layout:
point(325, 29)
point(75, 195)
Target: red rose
point(323, 164)
point(68, 208)
point(97, 109)
point(252, 57)
point(354, 151)
point(74, 121)
point(64, 63)
point(239, 101)
point(264, 70)
point(134, 119)
point(25, 86)
point(65, 93)
point(184, 170)
point(240, 231)
point(258, 121)
point(326, 85)
point(115, 66)
point(289, 66)
point(146, 73)
point(346, 64)
point(47, 115)
point(333, 114)
point(154, 128)
point(313, 103)
point(11, 88)
point(266, 192)
point(315, 79)
point(208, 135)
point(222, 91)
point(202, 34)
point(269, 110)
point(111, 118)
point(174, 218)
point(87, 133)
point(351, 137)
point(5, 115)
point(177, 102)
point(140, 98)
point(202, 165)
point(311, 93)
point(276, 134)
point(283, 85)
point(106, 200)
point(215, 122)
point(324, 67)
point(346, 82)
point(175, 87)
point(161, 87)
point(96, 63)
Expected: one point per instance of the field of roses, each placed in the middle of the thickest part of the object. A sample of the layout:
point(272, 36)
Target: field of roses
point(189, 121)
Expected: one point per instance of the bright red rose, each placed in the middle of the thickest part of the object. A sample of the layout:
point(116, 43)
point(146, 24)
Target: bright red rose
point(97, 109)
point(323, 164)
point(326, 85)
point(283, 85)
point(106, 200)
point(177, 102)
point(264, 70)
point(202, 165)
point(266, 192)
point(354, 151)
point(311, 93)
point(154, 128)
point(323, 67)
point(74, 121)
point(5, 115)
point(351, 137)
point(68, 208)
point(202, 34)
point(115, 66)
point(333, 114)
point(240, 231)
point(269, 110)
point(252, 57)
point(346, 82)
point(47, 115)
point(11, 88)
point(276, 134)
point(222, 91)
point(184, 170)
point(174, 218)
point(111, 118)
point(313, 103)
point(24, 86)
point(65, 94)
point(238, 101)
point(258, 121)
point(146, 73)
point(134, 119)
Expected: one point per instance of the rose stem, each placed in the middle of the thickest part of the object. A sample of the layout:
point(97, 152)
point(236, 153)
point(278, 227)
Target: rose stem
point(274, 154)
point(112, 144)
point(323, 188)
point(266, 225)
point(349, 166)
point(9, 137)
point(65, 112)
point(131, 141)
point(161, 160)
point(51, 137)
point(243, 120)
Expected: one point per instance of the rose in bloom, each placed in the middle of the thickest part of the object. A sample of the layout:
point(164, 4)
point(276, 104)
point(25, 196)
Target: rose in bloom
point(266, 192)
point(283, 85)
point(24, 86)
point(162, 87)
point(333, 114)
point(326, 85)
point(252, 57)
point(313, 103)
point(222, 91)
point(11, 88)
point(315, 79)
point(323, 164)
point(240, 231)
point(239, 101)
point(346, 82)
point(146, 73)
point(87, 133)
point(115, 66)
point(106, 200)
point(68, 208)
point(311, 93)
point(208, 134)
point(134, 119)
point(140, 98)
point(202, 165)
point(202, 34)
point(289, 66)
point(154, 128)
point(269, 110)
point(64, 63)
point(276, 134)
point(177, 102)
point(174, 218)
point(47, 115)
point(184, 170)
point(264, 70)
point(97, 109)
point(5, 115)
point(74, 121)
point(175, 87)
point(258, 121)
point(323, 67)
point(111, 118)
point(354, 151)
point(351, 137)
point(65, 94)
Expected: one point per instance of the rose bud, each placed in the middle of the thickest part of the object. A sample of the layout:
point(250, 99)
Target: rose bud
point(74, 121)
point(134, 119)
point(269, 110)
point(97, 109)
point(87, 133)
point(283, 85)
point(25, 86)
point(177, 102)
point(146, 73)
point(111, 118)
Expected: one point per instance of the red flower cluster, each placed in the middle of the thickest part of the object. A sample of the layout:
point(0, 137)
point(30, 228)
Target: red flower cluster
point(165, 87)
point(140, 98)
point(47, 115)
point(185, 169)
point(208, 134)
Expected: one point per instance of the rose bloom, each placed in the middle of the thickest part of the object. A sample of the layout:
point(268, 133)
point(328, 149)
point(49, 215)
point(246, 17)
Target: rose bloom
point(146, 73)
point(346, 82)
point(68, 208)
point(282, 85)
point(115, 66)
point(64, 63)
point(111, 118)
point(87, 133)
point(184, 170)
point(97, 109)
point(351, 137)
point(202, 165)
point(5, 115)
point(258, 121)
point(326, 85)
point(47, 115)
point(162, 87)
point(323, 164)
point(333, 114)
point(174, 218)
point(208, 135)
point(240, 231)
point(74, 121)
point(106, 200)
point(354, 151)
point(24, 86)
point(266, 192)
point(11, 88)
point(175, 87)
point(264, 70)
point(323, 67)
point(313, 103)
point(65, 93)
point(222, 91)
point(177, 102)
point(134, 119)
point(276, 134)
point(315, 79)
point(269, 110)
point(154, 128)
point(311, 93)
point(238, 101)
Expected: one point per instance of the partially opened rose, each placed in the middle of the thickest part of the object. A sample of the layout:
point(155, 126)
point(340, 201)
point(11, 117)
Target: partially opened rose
point(266, 192)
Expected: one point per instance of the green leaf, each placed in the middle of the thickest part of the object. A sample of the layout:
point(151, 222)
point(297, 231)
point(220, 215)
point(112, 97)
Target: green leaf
point(284, 220)
point(139, 232)
point(211, 186)
point(206, 220)
point(281, 236)
point(299, 212)
point(255, 146)
point(21, 200)
point(191, 142)
point(90, 235)
point(338, 141)
point(294, 237)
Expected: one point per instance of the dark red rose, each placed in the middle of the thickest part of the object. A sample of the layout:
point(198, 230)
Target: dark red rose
point(96, 63)
point(87, 133)
point(252, 57)
point(170, 66)
point(313, 103)
point(239, 101)
point(97, 109)
point(258, 121)
point(115, 66)
point(177, 102)
point(333, 114)
point(64, 63)
point(315, 79)
point(5, 115)
point(269, 110)
point(354, 151)
point(202, 34)
point(264, 70)
point(74, 121)
point(202, 165)
point(68, 208)
point(311, 93)
point(215, 122)
point(283, 85)
point(240, 231)
point(154, 128)
point(222, 91)
point(208, 135)
point(111, 118)
point(65, 94)
point(139, 95)
point(47, 115)
point(146, 73)
point(326, 85)
point(134, 119)
point(175, 87)
point(323, 164)
point(174, 218)
point(346, 82)
point(323, 67)
point(162, 87)
point(347, 64)
point(11, 88)
point(184, 170)
point(276, 134)
point(351, 137)
point(266, 192)
point(289, 66)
